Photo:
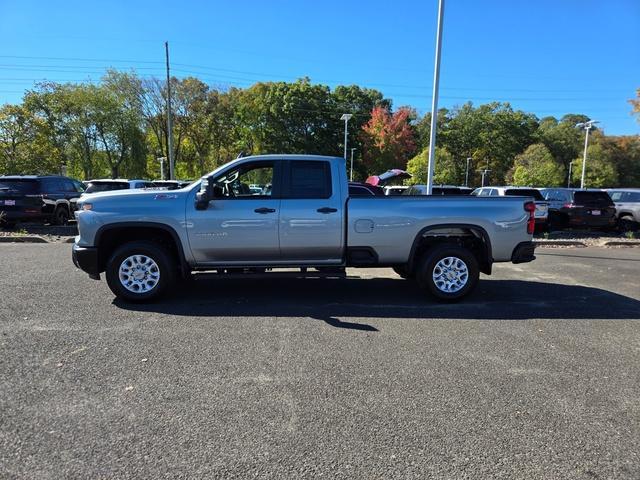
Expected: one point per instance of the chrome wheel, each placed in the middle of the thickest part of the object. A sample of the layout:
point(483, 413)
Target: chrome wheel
point(139, 273)
point(450, 274)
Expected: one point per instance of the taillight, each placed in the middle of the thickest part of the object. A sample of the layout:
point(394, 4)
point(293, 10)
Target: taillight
point(568, 205)
point(531, 222)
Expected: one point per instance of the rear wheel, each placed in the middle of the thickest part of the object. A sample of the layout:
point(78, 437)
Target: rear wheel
point(626, 224)
point(61, 215)
point(140, 271)
point(448, 272)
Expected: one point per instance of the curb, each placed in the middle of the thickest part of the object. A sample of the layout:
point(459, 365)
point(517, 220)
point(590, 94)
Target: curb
point(22, 239)
point(622, 244)
point(559, 243)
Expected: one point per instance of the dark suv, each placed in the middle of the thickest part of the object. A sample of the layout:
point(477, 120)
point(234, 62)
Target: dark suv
point(50, 198)
point(579, 208)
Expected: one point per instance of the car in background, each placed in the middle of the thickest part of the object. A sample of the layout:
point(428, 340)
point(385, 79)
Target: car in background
point(570, 207)
point(359, 189)
point(437, 190)
point(393, 190)
point(542, 205)
point(169, 184)
point(108, 184)
point(42, 198)
point(627, 203)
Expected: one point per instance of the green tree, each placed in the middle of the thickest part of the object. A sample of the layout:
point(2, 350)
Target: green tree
point(447, 171)
point(536, 167)
point(600, 171)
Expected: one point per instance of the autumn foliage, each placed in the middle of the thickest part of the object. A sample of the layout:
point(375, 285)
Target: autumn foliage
point(388, 139)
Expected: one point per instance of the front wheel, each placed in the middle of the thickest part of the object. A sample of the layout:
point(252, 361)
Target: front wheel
point(448, 272)
point(61, 216)
point(140, 271)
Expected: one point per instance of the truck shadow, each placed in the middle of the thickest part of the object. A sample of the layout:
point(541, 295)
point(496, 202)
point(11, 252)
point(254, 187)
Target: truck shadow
point(331, 300)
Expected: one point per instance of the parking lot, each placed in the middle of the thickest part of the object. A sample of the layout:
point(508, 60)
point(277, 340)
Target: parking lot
point(534, 376)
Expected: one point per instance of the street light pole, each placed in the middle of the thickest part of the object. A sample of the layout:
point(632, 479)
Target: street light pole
point(346, 117)
point(161, 160)
point(569, 179)
point(484, 172)
point(466, 174)
point(587, 126)
point(169, 119)
point(434, 99)
point(351, 173)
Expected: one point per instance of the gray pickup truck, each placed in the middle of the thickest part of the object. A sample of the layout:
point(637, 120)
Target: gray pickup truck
point(297, 214)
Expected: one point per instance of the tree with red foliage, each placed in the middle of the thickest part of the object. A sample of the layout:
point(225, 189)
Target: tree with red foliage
point(388, 139)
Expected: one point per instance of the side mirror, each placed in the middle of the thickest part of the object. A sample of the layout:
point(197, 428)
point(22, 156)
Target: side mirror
point(205, 194)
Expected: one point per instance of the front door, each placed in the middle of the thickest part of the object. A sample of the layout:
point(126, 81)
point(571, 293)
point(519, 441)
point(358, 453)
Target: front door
point(240, 225)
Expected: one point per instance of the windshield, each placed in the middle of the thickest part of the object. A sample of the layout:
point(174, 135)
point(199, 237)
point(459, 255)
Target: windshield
point(19, 186)
point(106, 186)
point(524, 192)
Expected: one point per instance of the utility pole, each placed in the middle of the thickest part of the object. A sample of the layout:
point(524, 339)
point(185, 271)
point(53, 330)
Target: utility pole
point(351, 174)
point(569, 179)
point(587, 126)
point(434, 98)
point(466, 174)
point(169, 119)
point(346, 117)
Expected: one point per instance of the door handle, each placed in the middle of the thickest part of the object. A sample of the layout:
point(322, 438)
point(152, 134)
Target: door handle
point(327, 210)
point(265, 210)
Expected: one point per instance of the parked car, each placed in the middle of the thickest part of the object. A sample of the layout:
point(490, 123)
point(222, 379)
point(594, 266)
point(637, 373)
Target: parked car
point(393, 190)
point(570, 207)
point(49, 198)
point(169, 184)
point(144, 243)
point(437, 190)
point(358, 189)
point(108, 184)
point(627, 203)
point(542, 206)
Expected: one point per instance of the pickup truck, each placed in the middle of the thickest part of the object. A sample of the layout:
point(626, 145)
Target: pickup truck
point(303, 218)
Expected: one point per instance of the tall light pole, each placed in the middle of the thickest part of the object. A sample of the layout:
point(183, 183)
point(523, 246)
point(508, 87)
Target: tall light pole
point(466, 174)
point(587, 126)
point(569, 179)
point(351, 173)
point(161, 160)
point(169, 119)
point(434, 98)
point(484, 173)
point(346, 117)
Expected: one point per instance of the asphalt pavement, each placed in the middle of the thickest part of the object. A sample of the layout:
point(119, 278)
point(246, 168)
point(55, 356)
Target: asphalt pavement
point(534, 376)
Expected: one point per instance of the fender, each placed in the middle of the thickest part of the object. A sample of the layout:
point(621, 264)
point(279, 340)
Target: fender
point(184, 268)
point(481, 231)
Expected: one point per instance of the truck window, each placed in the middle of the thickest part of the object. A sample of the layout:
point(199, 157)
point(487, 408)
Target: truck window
point(235, 184)
point(309, 179)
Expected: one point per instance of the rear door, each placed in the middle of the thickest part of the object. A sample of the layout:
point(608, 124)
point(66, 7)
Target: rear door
point(311, 213)
point(239, 227)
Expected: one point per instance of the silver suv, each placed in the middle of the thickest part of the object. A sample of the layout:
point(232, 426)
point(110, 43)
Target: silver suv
point(627, 202)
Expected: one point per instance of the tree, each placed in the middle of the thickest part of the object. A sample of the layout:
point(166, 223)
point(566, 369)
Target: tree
point(600, 171)
point(387, 139)
point(536, 167)
point(446, 171)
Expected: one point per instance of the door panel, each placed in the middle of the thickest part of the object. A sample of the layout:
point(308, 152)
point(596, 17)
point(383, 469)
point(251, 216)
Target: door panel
point(239, 227)
point(311, 229)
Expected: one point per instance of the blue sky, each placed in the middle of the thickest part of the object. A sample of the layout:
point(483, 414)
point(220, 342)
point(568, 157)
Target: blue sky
point(549, 57)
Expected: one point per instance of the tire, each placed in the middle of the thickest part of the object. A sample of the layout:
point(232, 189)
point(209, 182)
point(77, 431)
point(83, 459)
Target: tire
point(626, 224)
point(61, 216)
point(458, 284)
point(404, 272)
point(159, 273)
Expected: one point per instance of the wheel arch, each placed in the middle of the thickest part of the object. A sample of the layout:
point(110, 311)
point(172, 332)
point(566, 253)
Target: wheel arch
point(455, 233)
point(111, 236)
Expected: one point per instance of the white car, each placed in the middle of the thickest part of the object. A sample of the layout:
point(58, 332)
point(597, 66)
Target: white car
point(108, 184)
point(542, 206)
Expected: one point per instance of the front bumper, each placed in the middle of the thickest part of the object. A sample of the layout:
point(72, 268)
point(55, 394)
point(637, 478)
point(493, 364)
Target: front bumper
point(523, 253)
point(86, 259)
